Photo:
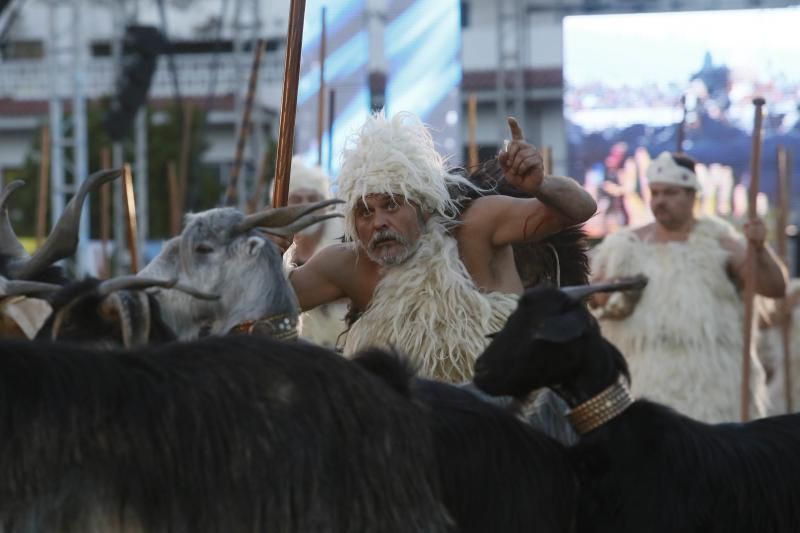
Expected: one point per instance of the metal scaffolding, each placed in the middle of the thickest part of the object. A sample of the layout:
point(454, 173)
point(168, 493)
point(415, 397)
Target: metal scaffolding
point(512, 52)
point(66, 56)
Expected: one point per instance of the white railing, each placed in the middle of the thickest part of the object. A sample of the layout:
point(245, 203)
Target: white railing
point(31, 80)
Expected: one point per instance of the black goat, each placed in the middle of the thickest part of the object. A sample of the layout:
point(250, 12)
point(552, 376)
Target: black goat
point(235, 434)
point(497, 473)
point(648, 468)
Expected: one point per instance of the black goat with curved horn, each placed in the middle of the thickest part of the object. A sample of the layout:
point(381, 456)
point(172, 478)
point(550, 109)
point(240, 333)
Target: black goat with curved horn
point(63, 239)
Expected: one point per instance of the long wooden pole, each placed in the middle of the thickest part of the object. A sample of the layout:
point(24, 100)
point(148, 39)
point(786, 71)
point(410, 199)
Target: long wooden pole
point(105, 213)
point(750, 276)
point(44, 180)
point(782, 221)
point(244, 128)
point(321, 93)
point(130, 217)
point(283, 160)
point(472, 126)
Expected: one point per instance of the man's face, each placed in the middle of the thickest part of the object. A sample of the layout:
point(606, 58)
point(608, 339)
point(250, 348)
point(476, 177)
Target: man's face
point(304, 195)
point(672, 205)
point(388, 228)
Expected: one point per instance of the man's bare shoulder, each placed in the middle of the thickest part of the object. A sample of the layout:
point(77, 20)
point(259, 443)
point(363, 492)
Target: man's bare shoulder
point(335, 257)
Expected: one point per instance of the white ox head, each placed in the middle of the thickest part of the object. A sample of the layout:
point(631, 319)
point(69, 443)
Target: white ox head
point(224, 252)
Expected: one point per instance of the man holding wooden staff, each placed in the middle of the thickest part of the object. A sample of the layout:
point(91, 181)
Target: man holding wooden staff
point(682, 335)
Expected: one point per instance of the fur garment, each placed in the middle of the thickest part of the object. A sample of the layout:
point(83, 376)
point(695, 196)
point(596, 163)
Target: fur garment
point(430, 308)
point(770, 351)
point(683, 340)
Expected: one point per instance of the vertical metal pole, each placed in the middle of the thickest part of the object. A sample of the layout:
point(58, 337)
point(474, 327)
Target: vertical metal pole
point(56, 110)
point(321, 93)
point(80, 135)
point(142, 184)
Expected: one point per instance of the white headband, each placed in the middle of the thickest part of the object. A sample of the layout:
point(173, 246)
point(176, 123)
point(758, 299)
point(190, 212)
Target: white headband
point(664, 169)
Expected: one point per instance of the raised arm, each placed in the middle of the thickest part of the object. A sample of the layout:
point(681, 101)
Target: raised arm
point(558, 202)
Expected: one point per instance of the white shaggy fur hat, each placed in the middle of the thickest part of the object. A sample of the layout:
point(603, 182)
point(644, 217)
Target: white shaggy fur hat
point(308, 177)
point(664, 169)
point(396, 156)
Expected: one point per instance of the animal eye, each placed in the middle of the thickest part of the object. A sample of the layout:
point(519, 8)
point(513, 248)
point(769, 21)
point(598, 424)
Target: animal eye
point(203, 249)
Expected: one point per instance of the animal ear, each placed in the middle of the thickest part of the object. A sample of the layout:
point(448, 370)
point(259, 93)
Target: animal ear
point(254, 244)
point(563, 328)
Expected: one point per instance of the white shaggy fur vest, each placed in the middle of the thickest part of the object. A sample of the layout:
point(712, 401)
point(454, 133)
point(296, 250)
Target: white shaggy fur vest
point(683, 341)
point(429, 308)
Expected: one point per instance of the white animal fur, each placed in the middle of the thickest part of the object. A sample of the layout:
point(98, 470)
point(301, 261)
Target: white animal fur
point(430, 308)
point(683, 340)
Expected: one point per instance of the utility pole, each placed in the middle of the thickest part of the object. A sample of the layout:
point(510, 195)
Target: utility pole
point(69, 158)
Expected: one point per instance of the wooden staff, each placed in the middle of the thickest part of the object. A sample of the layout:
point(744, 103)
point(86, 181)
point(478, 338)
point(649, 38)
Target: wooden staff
point(681, 127)
point(283, 159)
point(44, 179)
point(174, 193)
point(784, 192)
point(472, 126)
point(321, 93)
point(750, 279)
point(130, 215)
point(254, 204)
point(244, 129)
point(105, 213)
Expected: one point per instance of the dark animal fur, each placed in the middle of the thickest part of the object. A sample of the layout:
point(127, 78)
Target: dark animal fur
point(650, 468)
point(497, 473)
point(536, 262)
point(236, 434)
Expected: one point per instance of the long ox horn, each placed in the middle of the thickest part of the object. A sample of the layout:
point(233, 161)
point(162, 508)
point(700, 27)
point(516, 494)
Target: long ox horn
point(27, 288)
point(138, 283)
point(9, 243)
point(285, 221)
point(63, 239)
point(581, 292)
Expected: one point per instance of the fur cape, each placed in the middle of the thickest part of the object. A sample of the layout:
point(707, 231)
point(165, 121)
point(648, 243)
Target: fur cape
point(770, 350)
point(430, 308)
point(683, 340)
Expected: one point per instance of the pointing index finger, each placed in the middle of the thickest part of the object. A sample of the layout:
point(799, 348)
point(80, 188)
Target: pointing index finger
point(516, 131)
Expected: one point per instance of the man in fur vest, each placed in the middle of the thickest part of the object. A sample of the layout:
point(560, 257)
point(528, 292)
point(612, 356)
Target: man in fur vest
point(427, 276)
point(308, 184)
point(683, 335)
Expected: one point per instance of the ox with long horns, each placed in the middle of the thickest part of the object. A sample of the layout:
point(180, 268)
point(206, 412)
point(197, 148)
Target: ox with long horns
point(222, 251)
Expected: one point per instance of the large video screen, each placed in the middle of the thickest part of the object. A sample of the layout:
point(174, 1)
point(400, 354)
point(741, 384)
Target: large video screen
point(417, 80)
point(640, 84)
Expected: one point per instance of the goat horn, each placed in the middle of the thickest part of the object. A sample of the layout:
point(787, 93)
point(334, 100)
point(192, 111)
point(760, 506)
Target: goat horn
point(63, 239)
point(131, 283)
point(17, 287)
point(300, 223)
point(194, 293)
point(133, 313)
point(281, 216)
point(9, 243)
point(580, 292)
